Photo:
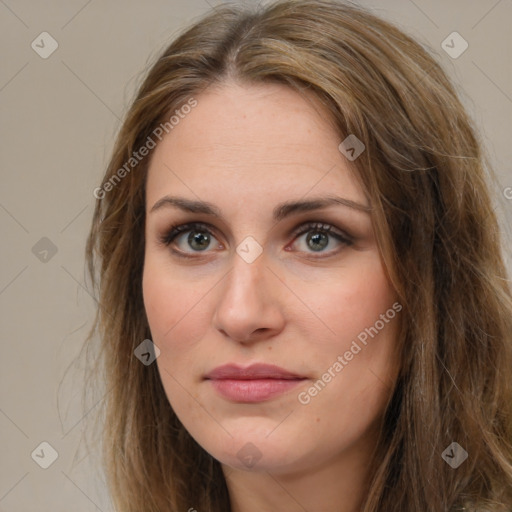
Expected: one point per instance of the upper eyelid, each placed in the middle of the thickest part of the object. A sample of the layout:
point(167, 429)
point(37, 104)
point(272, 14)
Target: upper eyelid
point(299, 230)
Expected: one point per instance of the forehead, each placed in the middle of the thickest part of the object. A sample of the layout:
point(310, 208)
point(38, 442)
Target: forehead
point(266, 141)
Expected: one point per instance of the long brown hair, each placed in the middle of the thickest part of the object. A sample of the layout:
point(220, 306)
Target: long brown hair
point(427, 179)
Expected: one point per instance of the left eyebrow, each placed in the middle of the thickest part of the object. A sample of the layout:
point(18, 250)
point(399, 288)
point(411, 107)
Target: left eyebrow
point(293, 207)
point(281, 211)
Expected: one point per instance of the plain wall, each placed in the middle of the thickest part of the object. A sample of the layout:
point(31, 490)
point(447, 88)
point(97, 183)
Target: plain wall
point(59, 116)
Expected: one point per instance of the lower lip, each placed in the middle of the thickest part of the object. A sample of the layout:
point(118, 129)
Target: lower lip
point(255, 390)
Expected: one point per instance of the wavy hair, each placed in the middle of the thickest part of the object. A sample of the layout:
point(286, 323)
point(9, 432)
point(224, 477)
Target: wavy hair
point(427, 177)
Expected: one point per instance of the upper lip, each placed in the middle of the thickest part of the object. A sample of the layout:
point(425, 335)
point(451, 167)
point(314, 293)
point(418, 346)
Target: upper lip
point(254, 371)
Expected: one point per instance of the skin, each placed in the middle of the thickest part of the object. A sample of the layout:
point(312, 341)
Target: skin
point(246, 148)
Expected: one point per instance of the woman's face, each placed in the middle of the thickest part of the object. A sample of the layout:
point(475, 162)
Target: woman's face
point(261, 281)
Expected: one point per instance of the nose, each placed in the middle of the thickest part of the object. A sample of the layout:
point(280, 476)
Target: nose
point(248, 308)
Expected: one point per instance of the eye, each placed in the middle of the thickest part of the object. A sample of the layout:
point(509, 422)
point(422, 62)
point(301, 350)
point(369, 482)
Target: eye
point(199, 239)
point(319, 236)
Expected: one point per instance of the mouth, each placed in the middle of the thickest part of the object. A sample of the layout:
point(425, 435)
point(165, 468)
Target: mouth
point(255, 383)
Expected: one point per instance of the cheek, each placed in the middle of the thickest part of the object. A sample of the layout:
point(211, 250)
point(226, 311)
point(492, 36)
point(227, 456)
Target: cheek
point(356, 362)
point(178, 309)
point(171, 303)
point(346, 303)
point(174, 309)
point(354, 328)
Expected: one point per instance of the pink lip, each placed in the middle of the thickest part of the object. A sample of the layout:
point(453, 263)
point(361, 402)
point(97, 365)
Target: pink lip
point(255, 383)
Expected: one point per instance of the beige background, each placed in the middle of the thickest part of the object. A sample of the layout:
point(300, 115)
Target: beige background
point(58, 119)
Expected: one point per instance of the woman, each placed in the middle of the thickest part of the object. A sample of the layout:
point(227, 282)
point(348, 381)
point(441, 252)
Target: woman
point(303, 301)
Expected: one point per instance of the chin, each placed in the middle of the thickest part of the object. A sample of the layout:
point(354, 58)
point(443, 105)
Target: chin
point(251, 458)
point(259, 453)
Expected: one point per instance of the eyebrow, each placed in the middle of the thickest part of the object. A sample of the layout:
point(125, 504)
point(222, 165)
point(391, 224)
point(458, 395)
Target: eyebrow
point(281, 211)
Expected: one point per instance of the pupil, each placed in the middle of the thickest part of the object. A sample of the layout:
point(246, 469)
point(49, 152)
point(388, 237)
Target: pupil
point(200, 239)
point(318, 238)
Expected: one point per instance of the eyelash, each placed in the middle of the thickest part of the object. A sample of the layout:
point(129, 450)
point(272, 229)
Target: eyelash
point(175, 230)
